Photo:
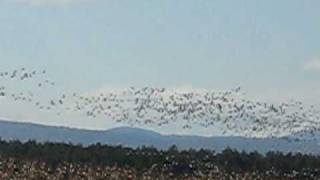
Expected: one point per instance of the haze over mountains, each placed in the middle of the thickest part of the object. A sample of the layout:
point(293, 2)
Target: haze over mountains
point(133, 137)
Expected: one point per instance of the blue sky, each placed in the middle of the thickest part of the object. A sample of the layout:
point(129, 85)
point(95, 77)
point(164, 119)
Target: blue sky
point(270, 48)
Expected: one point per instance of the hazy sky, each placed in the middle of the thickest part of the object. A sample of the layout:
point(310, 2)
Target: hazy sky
point(271, 48)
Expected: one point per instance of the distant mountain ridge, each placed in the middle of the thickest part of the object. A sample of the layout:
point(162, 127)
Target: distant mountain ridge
point(134, 137)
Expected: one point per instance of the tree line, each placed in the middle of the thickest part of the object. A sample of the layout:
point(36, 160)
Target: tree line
point(179, 161)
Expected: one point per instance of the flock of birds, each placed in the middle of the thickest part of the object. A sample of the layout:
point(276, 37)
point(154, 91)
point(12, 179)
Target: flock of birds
point(228, 112)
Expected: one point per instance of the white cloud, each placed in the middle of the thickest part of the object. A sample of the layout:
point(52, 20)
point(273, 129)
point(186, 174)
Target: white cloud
point(313, 65)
